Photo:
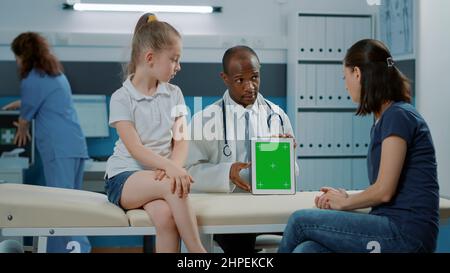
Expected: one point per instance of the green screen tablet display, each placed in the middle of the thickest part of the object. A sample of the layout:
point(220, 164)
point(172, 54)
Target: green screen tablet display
point(273, 168)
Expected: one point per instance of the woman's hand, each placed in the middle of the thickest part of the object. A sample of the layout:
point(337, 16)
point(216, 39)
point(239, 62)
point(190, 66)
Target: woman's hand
point(23, 133)
point(180, 179)
point(331, 198)
point(12, 106)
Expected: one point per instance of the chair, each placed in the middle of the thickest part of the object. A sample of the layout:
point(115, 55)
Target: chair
point(268, 243)
point(10, 246)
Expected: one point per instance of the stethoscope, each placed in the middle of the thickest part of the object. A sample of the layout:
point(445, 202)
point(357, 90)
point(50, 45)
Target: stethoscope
point(226, 148)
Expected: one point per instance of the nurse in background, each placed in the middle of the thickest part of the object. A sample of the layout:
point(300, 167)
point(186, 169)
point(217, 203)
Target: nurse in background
point(46, 96)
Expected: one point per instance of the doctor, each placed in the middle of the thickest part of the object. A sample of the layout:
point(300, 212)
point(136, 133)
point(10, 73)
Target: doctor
point(219, 150)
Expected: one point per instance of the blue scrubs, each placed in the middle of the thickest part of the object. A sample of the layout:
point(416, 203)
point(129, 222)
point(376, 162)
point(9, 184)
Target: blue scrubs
point(59, 140)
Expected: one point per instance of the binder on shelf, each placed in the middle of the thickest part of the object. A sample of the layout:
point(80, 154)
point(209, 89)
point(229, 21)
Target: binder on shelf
point(320, 37)
point(339, 133)
point(319, 128)
point(339, 27)
point(302, 37)
point(321, 78)
point(346, 100)
point(336, 70)
point(361, 133)
point(306, 175)
point(326, 128)
point(343, 173)
point(357, 30)
point(310, 169)
point(356, 145)
point(358, 140)
point(302, 79)
point(348, 133)
point(301, 134)
point(310, 134)
point(360, 179)
point(311, 38)
point(363, 28)
point(332, 91)
point(329, 134)
point(337, 173)
point(310, 84)
point(331, 38)
point(349, 32)
point(323, 173)
point(367, 127)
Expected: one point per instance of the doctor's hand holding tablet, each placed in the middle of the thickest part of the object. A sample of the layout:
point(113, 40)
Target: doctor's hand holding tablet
point(235, 176)
point(280, 165)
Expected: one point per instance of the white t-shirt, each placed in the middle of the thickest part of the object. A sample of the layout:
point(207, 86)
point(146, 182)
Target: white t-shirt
point(153, 118)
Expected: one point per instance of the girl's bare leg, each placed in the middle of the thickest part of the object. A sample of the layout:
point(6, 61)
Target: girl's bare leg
point(141, 188)
point(167, 237)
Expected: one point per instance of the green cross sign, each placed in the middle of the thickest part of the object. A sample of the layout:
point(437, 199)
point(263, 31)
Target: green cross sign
point(7, 136)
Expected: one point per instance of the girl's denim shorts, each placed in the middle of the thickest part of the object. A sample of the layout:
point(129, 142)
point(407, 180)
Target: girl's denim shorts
point(114, 186)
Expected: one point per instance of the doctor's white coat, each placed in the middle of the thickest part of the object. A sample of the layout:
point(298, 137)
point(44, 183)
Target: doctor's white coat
point(206, 161)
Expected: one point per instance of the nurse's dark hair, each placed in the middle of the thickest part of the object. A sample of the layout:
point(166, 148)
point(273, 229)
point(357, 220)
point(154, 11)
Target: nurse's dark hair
point(236, 51)
point(34, 53)
point(149, 33)
point(381, 80)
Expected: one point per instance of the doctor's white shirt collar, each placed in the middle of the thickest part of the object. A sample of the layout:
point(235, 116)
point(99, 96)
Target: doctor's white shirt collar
point(253, 108)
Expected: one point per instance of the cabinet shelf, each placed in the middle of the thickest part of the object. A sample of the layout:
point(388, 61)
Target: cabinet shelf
point(326, 109)
point(332, 140)
point(319, 61)
point(332, 157)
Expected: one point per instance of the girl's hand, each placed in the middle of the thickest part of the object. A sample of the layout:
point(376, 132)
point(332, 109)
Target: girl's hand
point(160, 174)
point(180, 179)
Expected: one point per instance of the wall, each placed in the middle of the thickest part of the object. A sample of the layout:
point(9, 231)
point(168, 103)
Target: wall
point(103, 36)
point(255, 17)
point(433, 84)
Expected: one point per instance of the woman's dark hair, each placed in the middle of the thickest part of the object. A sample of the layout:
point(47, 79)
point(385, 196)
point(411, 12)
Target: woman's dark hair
point(34, 52)
point(381, 81)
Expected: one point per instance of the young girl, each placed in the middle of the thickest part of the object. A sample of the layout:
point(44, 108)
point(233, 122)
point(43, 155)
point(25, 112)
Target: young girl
point(404, 191)
point(148, 112)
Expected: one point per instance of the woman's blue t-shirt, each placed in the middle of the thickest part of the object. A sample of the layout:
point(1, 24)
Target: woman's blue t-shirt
point(415, 206)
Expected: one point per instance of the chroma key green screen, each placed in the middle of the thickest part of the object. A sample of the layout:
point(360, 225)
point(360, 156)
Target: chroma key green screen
point(273, 171)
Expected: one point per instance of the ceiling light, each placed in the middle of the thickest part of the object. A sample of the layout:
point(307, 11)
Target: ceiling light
point(141, 8)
